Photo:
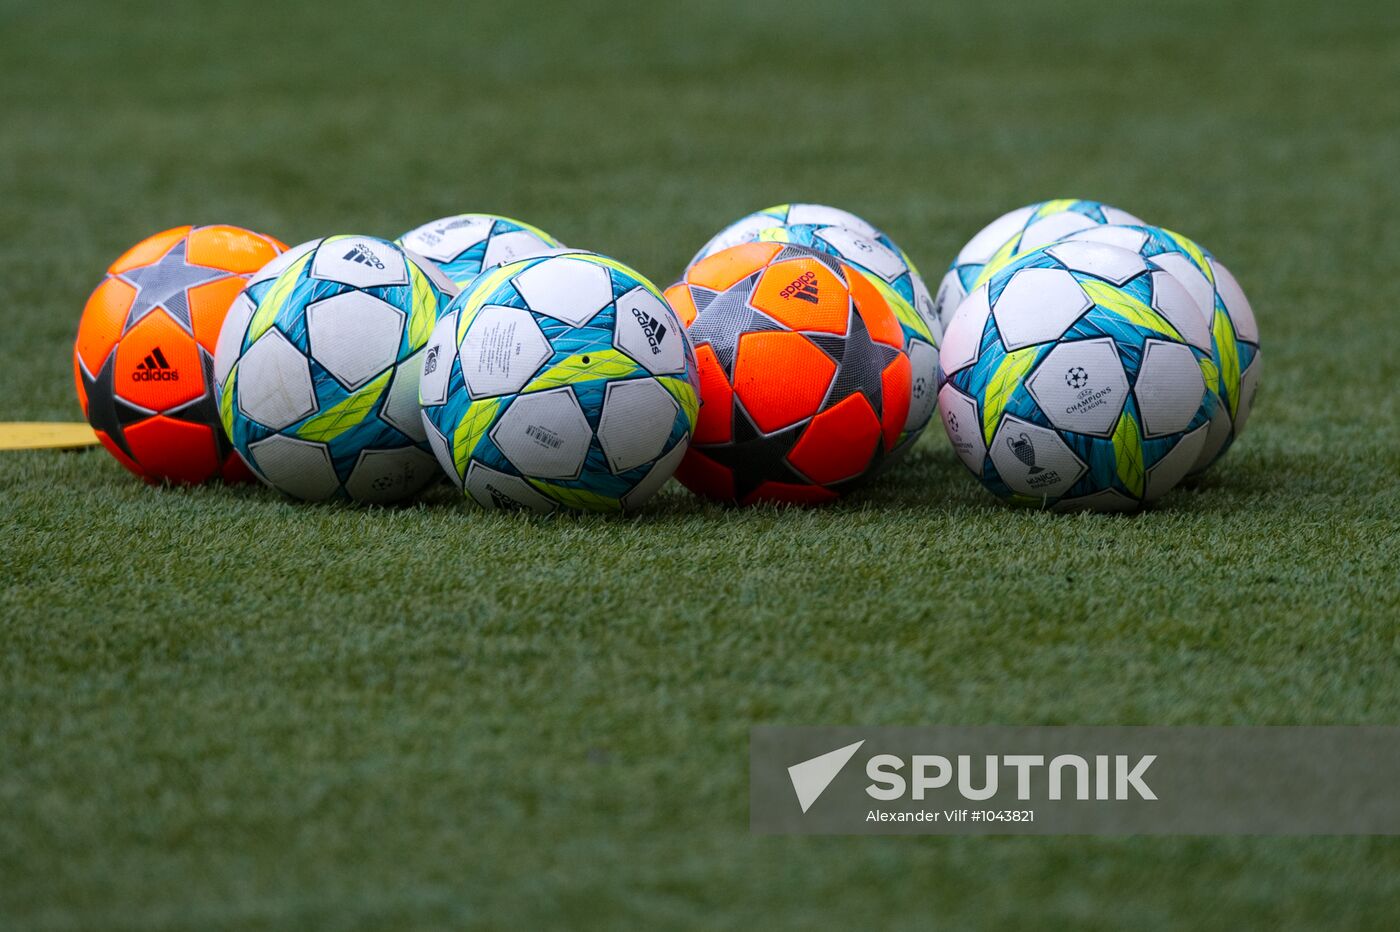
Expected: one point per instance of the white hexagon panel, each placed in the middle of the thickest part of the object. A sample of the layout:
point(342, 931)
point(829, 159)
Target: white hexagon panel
point(870, 253)
point(231, 333)
point(1163, 475)
point(516, 244)
point(361, 261)
point(438, 355)
point(1111, 263)
point(446, 239)
point(568, 289)
point(656, 477)
point(923, 303)
point(1171, 299)
point(1236, 304)
point(990, 238)
point(502, 350)
point(503, 492)
point(380, 477)
point(1047, 230)
point(299, 468)
point(442, 450)
point(638, 415)
point(1169, 388)
point(1081, 386)
point(822, 215)
point(401, 407)
point(950, 295)
point(964, 427)
point(1037, 306)
point(274, 382)
point(923, 366)
point(544, 434)
point(1033, 460)
point(648, 331)
point(1190, 277)
point(1217, 432)
point(434, 274)
point(1122, 237)
point(962, 340)
point(354, 336)
point(1121, 218)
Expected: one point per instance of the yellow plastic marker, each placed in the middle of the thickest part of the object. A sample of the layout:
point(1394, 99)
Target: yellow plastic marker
point(45, 435)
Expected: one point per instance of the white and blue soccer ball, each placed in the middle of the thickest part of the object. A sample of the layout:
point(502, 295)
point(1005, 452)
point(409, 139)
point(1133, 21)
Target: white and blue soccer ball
point(465, 245)
point(1012, 235)
point(317, 370)
point(559, 381)
point(870, 251)
point(1079, 376)
point(1224, 308)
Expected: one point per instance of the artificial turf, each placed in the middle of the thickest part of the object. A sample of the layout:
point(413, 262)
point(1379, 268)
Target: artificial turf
point(220, 709)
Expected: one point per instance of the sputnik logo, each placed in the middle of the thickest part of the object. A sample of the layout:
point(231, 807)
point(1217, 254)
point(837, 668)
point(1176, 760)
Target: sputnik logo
point(811, 777)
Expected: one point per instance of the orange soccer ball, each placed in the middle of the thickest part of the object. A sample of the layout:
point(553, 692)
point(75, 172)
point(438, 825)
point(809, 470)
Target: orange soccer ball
point(804, 383)
point(144, 358)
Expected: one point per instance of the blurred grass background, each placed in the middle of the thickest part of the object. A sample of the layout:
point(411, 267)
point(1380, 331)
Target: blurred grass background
point(221, 710)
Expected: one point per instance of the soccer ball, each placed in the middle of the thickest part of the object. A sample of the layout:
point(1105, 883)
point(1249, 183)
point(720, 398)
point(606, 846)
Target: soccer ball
point(748, 228)
point(867, 250)
point(1078, 377)
point(1012, 235)
point(465, 245)
point(805, 383)
point(143, 359)
point(1225, 310)
point(317, 368)
point(559, 381)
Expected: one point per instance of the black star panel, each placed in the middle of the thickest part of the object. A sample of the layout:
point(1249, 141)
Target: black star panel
point(726, 317)
point(166, 283)
point(702, 297)
point(859, 363)
point(754, 457)
point(804, 252)
point(205, 409)
point(107, 412)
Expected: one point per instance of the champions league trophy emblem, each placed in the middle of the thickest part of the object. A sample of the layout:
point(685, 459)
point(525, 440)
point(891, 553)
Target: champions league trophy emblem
point(1024, 452)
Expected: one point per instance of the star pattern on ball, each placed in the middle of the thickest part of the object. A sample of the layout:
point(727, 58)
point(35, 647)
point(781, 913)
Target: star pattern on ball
point(755, 457)
point(860, 363)
point(107, 412)
point(204, 410)
point(724, 317)
point(832, 263)
point(165, 283)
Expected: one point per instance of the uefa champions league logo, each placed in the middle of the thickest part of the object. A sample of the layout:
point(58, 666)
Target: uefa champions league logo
point(1024, 451)
point(1076, 377)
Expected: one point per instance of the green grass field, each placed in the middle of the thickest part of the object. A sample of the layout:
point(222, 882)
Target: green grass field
point(219, 709)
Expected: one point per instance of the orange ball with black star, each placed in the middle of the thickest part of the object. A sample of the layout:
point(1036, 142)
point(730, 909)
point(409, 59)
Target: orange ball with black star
point(144, 358)
point(804, 383)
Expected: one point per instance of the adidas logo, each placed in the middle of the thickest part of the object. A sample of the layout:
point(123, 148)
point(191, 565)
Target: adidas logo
point(363, 256)
point(501, 500)
point(804, 288)
point(654, 329)
point(155, 368)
